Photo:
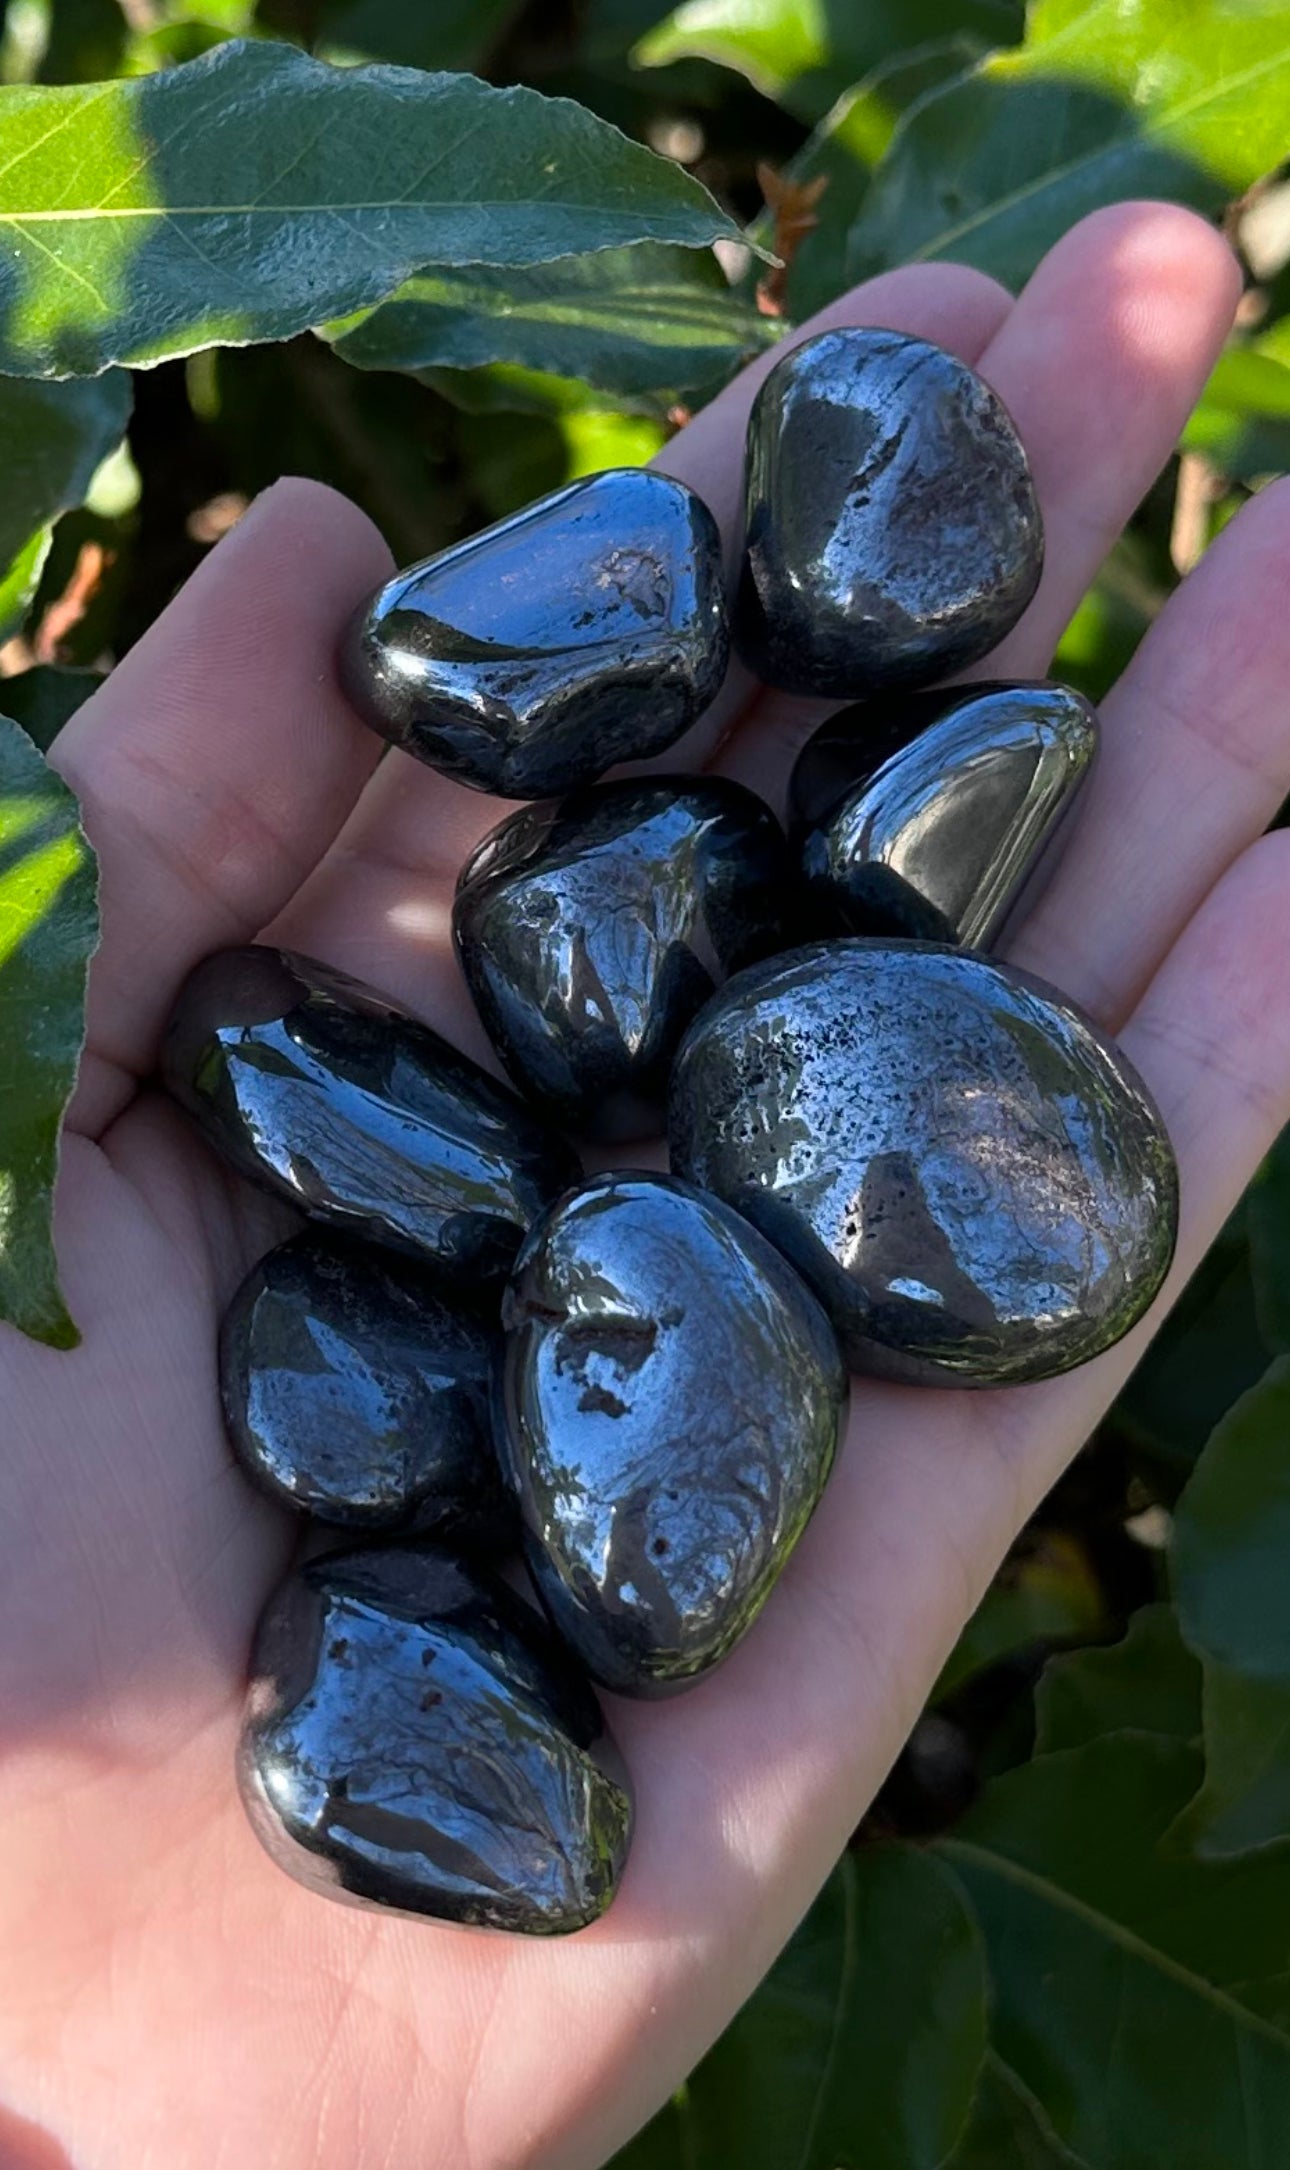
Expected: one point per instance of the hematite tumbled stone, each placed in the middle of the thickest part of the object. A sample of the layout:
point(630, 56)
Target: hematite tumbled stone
point(356, 1392)
point(591, 932)
point(317, 1088)
point(892, 534)
point(588, 629)
point(973, 1180)
point(671, 1399)
point(415, 1738)
point(926, 814)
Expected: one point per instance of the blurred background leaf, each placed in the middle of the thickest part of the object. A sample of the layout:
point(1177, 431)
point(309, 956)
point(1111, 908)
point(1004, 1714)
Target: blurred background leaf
point(53, 437)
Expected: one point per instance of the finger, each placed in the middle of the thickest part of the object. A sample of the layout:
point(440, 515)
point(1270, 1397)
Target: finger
point(216, 763)
point(1099, 363)
point(381, 900)
point(1195, 762)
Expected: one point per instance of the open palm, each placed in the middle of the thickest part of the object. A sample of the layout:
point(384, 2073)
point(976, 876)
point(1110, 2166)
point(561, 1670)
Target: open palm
point(168, 1996)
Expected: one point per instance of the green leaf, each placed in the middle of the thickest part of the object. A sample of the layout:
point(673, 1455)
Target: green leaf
point(1148, 1683)
point(1268, 1220)
point(48, 931)
point(447, 34)
point(1179, 98)
point(647, 323)
point(805, 53)
point(1007, 2129)
point(257, 191)
point(1047, 1593)
point(1139, 1995)
point(1231, 1543)
point(844, 151)
point(1242, 421)
point(43, 698)
point(52, 438)
point(862, 2047)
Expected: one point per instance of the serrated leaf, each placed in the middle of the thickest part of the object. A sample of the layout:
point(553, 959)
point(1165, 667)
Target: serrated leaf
point(52, 438)
point(1148, 1682)
point(48, 931)
point(642, 324)
point(1140, 1995)
point(257, 191)
point(42, 698)
point(1231, 1543)
point(805, 53)
point(1178, 98)
point(1048, 1592)
point(1007, 2129)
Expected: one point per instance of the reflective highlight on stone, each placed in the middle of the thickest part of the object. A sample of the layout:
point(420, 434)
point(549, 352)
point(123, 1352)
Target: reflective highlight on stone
point(671, 1401)
point(416, 1739)
point(974, 1181)
point(317, 1088)
point(355, 1392)
point(892, 534)
point(588, 629)
point(591, 932)
point(927, 814)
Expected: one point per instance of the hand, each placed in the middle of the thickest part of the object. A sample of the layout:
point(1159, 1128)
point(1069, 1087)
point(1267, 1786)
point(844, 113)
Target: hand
point(168, 1996)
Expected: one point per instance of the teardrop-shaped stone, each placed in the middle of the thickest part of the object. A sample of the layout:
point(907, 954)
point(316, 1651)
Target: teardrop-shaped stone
point(891, 530)
point(927, 814)
point(588, 629)
point(317, 1088)
point(671, 1402)
point(591, 932)
point(355, 1391)
point(974, 1181)
point(415, 1738)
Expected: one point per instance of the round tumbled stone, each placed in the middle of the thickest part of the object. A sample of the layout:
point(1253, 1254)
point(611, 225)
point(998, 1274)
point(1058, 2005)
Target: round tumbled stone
point(590, 933)
point(671, 1398)
point(589, 628)
point(973, 1180)
point(320, 1090)
point(891, 530)
point(929, 814)
point(356, 1391)
point(416, 1739)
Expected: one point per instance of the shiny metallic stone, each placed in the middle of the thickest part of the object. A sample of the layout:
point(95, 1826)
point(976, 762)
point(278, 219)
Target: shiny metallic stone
point(892, 534)
point(671, 1401)
point(588, 629)
point(316, 1088)
point(973, 1180)
point(591, 932)
point(927, 814)
point(356, 1392)
point(416, 1739)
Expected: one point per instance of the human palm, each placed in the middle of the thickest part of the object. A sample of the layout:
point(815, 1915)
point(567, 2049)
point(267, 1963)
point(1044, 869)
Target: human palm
point(168, 1996)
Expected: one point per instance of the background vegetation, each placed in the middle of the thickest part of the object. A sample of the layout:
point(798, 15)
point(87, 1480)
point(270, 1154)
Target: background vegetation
point(1062, 1938)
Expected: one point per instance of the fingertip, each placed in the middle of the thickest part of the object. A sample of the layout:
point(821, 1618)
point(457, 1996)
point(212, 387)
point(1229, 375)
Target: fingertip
point(299, 513)
point(1168, 276)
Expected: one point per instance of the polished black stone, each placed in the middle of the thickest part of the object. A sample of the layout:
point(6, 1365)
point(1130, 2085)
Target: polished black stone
point(592, 931)
point(588, 629)
point(415, 1738)
point(671, 1397)
point(317, 1088)
point(355, 1391)
point(892, 534)
point(971, 1178)
point(927, 814)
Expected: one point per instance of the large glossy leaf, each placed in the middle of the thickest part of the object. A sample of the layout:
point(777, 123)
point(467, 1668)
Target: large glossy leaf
point(1148, 1682)
point(1007, 2129)
point(861, 2049)
point(52, 437)
point(1140, 1995)
point(48, 930)
point(1048, 1592)
point(807, 52)
point(257, 191)
point(645, 324)
point(1181, 98)
point(1231, 1546)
